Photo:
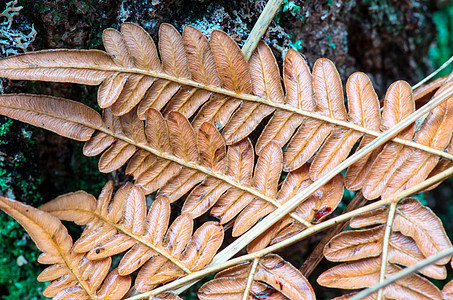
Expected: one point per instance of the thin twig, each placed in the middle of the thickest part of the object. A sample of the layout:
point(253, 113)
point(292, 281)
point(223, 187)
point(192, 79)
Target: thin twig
point(403, 273)
point(260, 27)
point(444, 65)
point(250, 278)
point(386, 244)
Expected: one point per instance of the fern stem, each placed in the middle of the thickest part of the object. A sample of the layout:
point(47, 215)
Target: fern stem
point(403, 273)
point(188, 280)
point(444, 65)
point(286, 107)
point(386, 244)
point(260, 27)
point(74, 270)
point(250, 279)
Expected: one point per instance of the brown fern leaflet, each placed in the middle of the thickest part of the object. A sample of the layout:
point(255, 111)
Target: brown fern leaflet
point(416, 234)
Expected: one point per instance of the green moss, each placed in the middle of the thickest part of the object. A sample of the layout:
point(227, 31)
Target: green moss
point(86, 173)
point(297, 45)
point(4, 128)
point(331, 43)
point(443, 49)
point(291, 7)
point(19, 178)
point(18, 266)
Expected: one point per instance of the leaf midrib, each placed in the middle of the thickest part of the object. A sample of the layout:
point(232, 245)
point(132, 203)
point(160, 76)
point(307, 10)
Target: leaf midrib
point(169, 157)
point(247, 97)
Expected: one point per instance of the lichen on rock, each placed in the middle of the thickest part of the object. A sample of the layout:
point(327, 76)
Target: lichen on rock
point(14, 39)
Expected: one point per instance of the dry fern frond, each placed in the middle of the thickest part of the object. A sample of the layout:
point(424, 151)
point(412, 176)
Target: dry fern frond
point(215, 79)
point(269, 277)
point(72, 274)
point(408, 166)
point(180, 115)
point(119, 224)
point(416, 233)
point(166, 155)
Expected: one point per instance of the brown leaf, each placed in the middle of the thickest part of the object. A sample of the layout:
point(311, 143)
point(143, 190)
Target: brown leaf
point(116, 225)
point(266, 84)
point(122, 47)
point(360, 93)
point(426, 91)
point(162, 90)
point(299, 94)
point(324, 200)
point(154, 173)
point(265, 179)
point(181, 183)
point(70, 273)
point(360, 244)
point(203, 246)
point(273, 276)
point(240, 167)
point(116, 156)
point(416, 233)
point(111, 89)
point(447, 291)
point(97, 144)
point(67, 118)
point(365, 273)
point(435, 132)
point(414, 220)
point(157, 132)
point(174, 63)
point(363, 110)
point(334, 150)
point(182, 137)
point(205, 195)
point(52, 65)
point(141, 47)
point(398, 104)
point(212, 148)
point(202, 68)
point(212, 151)
point(234, 75)
point(329, 99)
point(167, 296)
